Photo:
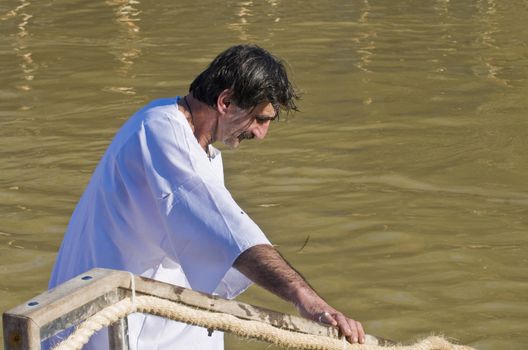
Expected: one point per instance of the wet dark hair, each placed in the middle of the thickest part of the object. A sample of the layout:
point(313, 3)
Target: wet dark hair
point(252, 74)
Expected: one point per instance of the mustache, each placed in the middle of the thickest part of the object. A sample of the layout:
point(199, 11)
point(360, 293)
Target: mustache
point(247, 135)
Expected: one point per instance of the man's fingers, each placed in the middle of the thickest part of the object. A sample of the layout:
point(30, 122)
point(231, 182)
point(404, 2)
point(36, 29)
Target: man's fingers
point(344, 326)
point(361, 332)
point(325, 317)
point(352, 330)
point(354, 337)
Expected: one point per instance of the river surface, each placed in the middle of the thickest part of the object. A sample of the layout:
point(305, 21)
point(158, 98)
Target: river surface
point(399, 190)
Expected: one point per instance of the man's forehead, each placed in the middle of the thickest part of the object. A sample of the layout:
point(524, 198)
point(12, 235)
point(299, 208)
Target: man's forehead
point(265, 109)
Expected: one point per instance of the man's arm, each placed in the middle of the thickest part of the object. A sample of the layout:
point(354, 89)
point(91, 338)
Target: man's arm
point(264, 265)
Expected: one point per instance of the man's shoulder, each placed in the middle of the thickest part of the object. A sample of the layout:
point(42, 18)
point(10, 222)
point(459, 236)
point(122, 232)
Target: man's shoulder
point(157, 118)
point(156, 114)
point(162, 105)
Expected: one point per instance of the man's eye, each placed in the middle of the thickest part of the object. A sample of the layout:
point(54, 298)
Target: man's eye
point(262, 120)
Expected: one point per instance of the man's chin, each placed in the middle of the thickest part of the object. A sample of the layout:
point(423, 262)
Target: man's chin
point(232, 143)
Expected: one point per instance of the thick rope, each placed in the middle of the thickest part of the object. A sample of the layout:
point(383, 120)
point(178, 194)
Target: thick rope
point(229, 323)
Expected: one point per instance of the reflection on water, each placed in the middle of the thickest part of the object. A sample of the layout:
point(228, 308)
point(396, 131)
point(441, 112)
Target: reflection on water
point(245, 13)
point(365, 41)
point(127, 16)
point(488, 14)
point(20, 44)
point(399, 190)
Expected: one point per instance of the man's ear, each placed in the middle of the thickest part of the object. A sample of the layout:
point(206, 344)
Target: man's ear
point(223, 101)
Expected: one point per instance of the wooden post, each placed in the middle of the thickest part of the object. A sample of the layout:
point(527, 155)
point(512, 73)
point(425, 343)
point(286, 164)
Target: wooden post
point(62, 307)
point(67, 305)
point(118, 335)
point(20, 333)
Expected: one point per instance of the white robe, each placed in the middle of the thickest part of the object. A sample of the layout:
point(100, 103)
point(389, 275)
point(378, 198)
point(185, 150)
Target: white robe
point(157, 206)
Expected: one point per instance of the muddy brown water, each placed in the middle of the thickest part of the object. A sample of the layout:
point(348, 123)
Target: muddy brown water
point(399, 191)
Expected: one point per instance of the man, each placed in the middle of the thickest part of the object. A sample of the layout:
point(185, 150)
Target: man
point(157, 205)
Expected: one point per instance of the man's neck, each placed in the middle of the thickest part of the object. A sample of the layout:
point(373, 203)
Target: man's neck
point(202, 119)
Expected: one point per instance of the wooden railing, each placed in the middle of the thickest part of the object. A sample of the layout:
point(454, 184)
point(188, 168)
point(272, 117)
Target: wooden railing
point(28, 325)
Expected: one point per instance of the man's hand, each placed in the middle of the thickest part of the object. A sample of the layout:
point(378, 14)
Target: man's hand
point(313, 307)
point(266, 267)
point(351, 329)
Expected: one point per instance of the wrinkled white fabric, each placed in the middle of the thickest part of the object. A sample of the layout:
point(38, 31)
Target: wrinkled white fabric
point(157, 206)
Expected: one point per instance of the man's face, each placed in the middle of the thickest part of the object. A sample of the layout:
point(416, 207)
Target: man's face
point(238, 124)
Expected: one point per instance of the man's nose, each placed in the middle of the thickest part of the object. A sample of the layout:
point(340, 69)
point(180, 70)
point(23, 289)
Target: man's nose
point(261, 130)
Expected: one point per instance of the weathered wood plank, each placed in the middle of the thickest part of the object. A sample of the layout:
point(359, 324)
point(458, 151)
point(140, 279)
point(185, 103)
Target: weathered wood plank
point(79, 314)
point(241, 310)
point(71, 295)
